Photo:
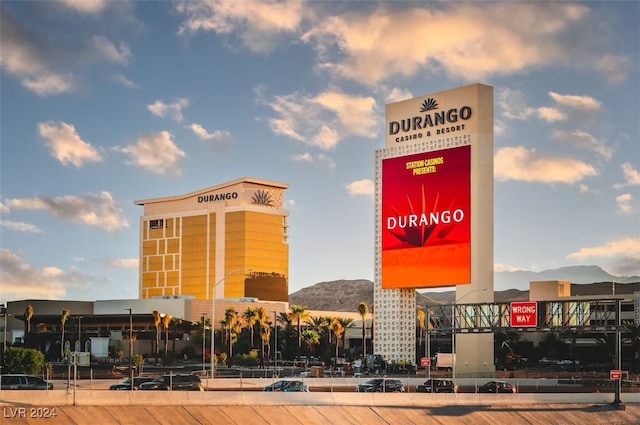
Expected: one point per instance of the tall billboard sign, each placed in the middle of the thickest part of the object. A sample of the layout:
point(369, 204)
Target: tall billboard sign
point(432, 218)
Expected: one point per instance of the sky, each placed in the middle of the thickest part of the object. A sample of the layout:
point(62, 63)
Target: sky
point(105, 102)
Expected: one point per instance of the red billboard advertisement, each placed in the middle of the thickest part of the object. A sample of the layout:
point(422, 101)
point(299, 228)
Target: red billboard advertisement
point(426, 219)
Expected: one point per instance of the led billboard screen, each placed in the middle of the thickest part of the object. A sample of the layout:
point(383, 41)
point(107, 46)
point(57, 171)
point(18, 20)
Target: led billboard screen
point(426, 219)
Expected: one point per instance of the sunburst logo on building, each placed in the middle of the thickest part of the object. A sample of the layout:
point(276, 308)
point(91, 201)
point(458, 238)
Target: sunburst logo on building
point(427, 226)
point(262, 197)
point(428, 105)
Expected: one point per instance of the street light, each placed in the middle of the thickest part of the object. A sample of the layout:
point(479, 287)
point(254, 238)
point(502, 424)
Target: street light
point(453, 329)
point(130, 347)
point(213, 316)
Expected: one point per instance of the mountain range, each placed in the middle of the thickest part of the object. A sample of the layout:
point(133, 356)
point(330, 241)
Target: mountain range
point(345, 295)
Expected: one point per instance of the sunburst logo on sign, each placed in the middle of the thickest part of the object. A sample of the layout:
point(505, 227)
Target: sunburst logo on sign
point(428, 105)
point(417, 228)
point(262, 197)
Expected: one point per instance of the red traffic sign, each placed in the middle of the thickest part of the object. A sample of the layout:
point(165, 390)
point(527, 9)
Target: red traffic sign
point(425, 361)
point(615, 374)
point(524, 314)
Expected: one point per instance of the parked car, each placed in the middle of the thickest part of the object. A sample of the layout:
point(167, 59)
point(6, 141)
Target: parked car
point(178, 382)
point(437, 386)
point(497, 387)
point(20, 381)
point(381, 385)
point(287, 386)
point(126, 384)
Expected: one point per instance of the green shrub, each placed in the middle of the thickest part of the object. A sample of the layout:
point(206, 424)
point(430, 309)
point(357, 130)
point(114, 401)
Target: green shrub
point(24, 360)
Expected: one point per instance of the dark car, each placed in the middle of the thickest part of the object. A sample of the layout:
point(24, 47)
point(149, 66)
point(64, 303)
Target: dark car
point(437, 386)
point(20, 381)
point(179, 382)
point(287, 386)
point(381, 385)
point(126, 384)
point(495, 387)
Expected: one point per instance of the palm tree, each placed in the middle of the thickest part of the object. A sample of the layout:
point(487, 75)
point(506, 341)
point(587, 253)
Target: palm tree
point(311, 338)
point(363, 309)
point(420, 326)
point(232, 328)
point(28, 314)
point(166, 320)
point(338, 330)
point(63, 320)
point(346, 323)
point(156, 322)
point(265, 336)
point(297, 314)
point(249, 317)
point(262, 320)
point(175, 322)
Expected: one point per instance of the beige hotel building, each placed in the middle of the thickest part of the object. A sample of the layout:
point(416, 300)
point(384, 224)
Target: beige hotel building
point(232, 236)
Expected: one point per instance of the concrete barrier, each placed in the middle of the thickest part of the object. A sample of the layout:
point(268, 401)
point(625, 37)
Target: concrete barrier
point(258, 398)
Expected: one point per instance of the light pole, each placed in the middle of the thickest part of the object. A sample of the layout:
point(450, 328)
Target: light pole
point(203, 342)
point(130, 347)
point(3, 311)
point(213, 316)
point(275, 342)
point(453, 329)
point(79, 347)
point(427, 343)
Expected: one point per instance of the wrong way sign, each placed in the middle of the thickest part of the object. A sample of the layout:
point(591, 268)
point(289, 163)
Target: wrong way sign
point(524, 314)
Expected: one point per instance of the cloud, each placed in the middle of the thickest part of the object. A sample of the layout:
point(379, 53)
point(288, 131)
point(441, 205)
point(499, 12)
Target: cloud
point(94, 209)
point(109, 51)
point(218, 136)
point(498, 39)
point(522, 164)
point(499, 267)
point(360, 187)
point(624, 204)
point(624, 252)
point(583, 139)
point(124, 81)
point(157, 153)
point(44, 58)
point(631, 175)
point(587, 103)
point(173, 110)
point(551, 114)
point(26, 56)
point(24, 281)
point(322, 120)
point(258, 24)
point(66, 145)
point(302, 157)
point(320, 159)
point(19, 226)
point(513, 104)
point(614, 67)
point(124, 263)
point(89, 7)
point(397, 94)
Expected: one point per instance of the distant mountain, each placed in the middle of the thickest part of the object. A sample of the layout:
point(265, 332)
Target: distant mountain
point(345, 295)
point(575, 274)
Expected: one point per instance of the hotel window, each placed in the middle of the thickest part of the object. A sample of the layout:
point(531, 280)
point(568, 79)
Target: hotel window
point(156, 224)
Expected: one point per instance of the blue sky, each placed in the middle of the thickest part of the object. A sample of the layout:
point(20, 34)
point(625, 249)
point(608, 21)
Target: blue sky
point(104, 103)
